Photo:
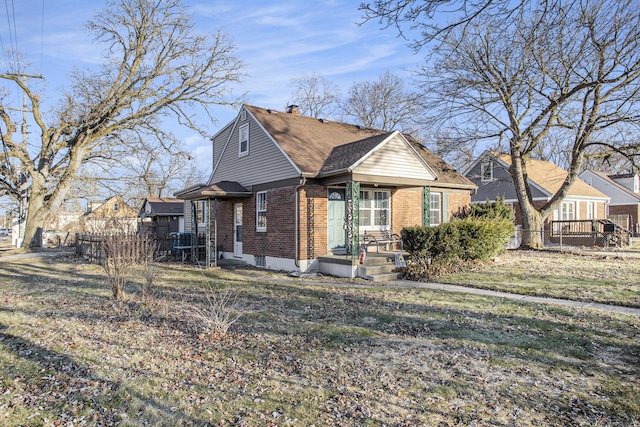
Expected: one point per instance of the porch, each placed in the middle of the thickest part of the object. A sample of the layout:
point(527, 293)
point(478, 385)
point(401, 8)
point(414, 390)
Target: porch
point(602, 233)
point(377, 266)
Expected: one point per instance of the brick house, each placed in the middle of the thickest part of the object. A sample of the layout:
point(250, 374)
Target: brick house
point(624, 191)
point(287, 191)
point(490, 172)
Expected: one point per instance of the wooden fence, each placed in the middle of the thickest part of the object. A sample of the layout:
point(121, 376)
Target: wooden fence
point(169, 248)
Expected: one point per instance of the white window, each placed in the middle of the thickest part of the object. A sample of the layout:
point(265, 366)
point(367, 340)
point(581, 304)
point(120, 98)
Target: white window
point(486, 171)
point(435, 209)
point(261, 211)
point(590, 214)
point(243, 115)
point(567, 211)
point(116, 206)
point(243, 140)
point(374, 209)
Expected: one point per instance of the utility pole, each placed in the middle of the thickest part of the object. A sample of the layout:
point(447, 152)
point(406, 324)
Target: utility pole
point(23, 178)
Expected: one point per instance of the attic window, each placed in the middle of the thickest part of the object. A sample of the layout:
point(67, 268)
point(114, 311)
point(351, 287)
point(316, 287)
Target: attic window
point(486, 171)
point(116, 206)
point(243, 140)
point(243, 115)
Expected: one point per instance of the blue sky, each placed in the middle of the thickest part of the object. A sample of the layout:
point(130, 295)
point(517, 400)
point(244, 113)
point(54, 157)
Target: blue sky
point(277, 40)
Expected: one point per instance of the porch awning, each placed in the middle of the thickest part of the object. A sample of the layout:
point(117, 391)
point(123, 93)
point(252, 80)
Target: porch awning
point(219, 190)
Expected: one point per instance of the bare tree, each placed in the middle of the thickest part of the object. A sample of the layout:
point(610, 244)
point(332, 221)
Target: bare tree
point(383, 104)
point(568, 73)
point(315, 95)
point(150, 171)
point(155, 67)
point(422, 21)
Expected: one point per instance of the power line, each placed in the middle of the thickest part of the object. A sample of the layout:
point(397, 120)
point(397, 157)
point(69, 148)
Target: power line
point(42, 37)
point(13, 35)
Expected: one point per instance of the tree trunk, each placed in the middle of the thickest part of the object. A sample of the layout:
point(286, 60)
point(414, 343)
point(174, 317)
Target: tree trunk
point(531, 227)
point(36, 214)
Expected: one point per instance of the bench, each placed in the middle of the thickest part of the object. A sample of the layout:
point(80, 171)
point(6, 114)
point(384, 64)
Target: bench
point(381, 237)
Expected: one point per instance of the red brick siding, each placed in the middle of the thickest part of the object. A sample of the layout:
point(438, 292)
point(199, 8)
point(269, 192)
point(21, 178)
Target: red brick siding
point(632, 210)
point(278, 240)
point(458, 200)
point(318, 195)
point(225, 222)
point(406, 208)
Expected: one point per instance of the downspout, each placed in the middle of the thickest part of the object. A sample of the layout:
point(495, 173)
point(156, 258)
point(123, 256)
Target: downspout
point(297, 221)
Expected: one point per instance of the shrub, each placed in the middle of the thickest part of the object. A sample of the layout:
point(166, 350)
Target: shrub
point(489, 210)
point(217, 312)
point(482, 238)
point(121, 254)
point(436, 250)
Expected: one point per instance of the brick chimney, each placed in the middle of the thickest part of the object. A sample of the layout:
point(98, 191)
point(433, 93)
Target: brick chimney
point(293, 109)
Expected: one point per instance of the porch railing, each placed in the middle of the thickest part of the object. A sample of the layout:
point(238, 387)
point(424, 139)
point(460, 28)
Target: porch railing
point(589, 232)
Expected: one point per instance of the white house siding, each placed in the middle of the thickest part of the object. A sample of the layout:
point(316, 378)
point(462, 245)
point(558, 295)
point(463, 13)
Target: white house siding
point(394, 159)
point(619, 197)
point(264, 163)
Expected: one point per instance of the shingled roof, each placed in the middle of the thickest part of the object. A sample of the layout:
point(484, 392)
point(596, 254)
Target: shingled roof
point(321, 147)
point(166, 205)
point(550, 177)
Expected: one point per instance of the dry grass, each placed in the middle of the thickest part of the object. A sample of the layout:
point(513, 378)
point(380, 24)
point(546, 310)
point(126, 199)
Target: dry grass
point(303, 354)
point(592, 277)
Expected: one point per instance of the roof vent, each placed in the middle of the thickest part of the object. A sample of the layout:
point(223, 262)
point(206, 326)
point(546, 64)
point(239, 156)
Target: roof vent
point(293, 109)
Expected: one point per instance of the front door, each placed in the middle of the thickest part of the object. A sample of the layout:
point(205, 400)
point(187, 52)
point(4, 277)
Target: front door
point(335, 219)
point(237, 230)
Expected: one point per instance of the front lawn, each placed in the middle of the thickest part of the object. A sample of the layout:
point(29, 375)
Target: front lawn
point(607, 279)
point(303, 354)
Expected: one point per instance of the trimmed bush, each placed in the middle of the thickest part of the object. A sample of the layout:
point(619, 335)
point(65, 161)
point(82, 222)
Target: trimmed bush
point(482, 234)
point(482, 238)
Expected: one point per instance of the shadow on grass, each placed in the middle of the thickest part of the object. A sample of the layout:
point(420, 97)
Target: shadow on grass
point(561, 338)
point(69, 373)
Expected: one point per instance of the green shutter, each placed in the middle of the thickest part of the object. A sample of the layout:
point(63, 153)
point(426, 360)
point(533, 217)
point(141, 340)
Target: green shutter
point(445, 207)
point(426, 206)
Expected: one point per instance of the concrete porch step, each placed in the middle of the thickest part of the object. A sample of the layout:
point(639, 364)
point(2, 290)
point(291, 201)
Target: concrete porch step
point(230, 262)
point(384, 277)
point(376, 267)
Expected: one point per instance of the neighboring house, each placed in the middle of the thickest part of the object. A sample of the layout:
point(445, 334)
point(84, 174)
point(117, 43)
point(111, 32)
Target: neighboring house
point(162, 215)
point(288, 190)
point(624, 191)
point(490, 172)
point(110, 216)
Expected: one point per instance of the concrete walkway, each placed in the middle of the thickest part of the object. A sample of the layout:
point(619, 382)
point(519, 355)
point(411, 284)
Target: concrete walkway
point(42, 254)
point(515, 297)
point(410, 284)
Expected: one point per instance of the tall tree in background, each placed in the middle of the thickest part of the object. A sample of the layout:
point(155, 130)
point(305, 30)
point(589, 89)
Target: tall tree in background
point(567, 73)
point(422, 22)
point(156, 68)
point(316, 96)
point(150, 174)
point(383, 104)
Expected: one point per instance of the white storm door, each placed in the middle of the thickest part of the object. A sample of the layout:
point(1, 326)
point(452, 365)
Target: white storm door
point(237, 230)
